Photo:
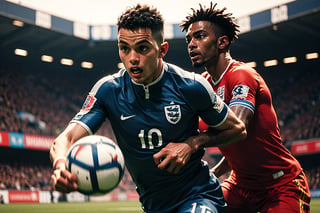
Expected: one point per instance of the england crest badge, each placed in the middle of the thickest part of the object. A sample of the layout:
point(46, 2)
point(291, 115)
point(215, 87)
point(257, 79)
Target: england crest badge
point(173, 113)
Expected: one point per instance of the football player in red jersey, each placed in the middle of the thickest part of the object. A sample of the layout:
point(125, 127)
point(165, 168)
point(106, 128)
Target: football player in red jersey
point(265, 176)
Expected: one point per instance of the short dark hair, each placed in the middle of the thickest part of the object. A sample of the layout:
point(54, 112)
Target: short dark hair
point(225, 22)
point(143, 16)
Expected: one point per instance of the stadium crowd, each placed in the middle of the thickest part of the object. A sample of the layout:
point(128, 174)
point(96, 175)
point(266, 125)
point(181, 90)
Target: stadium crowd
point(17, 175)
point(296, 97)
point(33, 103)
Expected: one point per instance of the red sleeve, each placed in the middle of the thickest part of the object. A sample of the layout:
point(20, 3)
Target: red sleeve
point(243, 82)
point(202, 125)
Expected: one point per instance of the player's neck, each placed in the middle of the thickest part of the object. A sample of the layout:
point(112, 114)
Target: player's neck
point(218, 68)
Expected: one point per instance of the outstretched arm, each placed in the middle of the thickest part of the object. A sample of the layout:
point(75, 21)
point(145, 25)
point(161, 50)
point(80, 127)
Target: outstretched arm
point(62, 179)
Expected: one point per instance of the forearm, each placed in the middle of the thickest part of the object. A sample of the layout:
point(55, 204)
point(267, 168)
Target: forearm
point(58, 150)
point(232, 130)
point(216, 138)
point(63, 142)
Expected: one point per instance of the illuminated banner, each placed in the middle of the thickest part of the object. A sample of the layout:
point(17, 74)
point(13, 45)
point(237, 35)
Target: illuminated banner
point(16, 140)
point(132, 196)
point(307, 147)
point(23, 196)
point(37, 142)
point(4, 139)
point(19, 140)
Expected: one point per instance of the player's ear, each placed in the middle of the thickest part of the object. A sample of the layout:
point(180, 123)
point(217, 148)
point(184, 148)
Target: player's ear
point(223, 42)
point(164, 46)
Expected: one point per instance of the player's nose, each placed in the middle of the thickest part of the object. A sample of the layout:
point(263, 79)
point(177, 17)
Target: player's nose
point(134, 57)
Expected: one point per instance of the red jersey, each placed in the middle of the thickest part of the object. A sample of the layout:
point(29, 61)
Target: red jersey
point(260, 161)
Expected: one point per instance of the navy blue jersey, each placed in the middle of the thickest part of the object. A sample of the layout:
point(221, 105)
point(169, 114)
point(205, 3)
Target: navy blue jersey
point(145, 118)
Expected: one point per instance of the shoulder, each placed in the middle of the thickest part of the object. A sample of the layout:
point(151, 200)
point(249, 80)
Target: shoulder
point(242, 74)
point(187, 78)
point(109, 81)
point(192, 85)
point(243, 70)
point(179, 72)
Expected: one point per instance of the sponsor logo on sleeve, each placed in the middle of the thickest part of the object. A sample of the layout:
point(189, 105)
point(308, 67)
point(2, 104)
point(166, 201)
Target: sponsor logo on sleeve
point(88, 104)
point(240, 91)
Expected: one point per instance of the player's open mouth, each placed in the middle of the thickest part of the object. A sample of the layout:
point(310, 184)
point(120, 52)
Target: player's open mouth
point(194, 56)
point(136, 70)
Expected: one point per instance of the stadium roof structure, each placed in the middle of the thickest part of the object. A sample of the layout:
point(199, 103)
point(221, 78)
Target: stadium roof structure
point(291, 29)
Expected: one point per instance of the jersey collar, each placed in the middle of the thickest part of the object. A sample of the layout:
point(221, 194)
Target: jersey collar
point(164, 68)
point(146, 87)
point(221, 76)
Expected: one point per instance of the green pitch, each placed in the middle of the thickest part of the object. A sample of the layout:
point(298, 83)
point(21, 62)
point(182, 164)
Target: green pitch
point(93, 207)
point(84, 207)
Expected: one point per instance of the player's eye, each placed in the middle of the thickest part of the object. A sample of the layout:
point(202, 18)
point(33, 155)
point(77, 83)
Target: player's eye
point(143, 48)
point(200, 36)
point(124, 49)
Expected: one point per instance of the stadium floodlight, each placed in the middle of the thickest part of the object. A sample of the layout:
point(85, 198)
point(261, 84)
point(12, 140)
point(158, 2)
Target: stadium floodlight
point(18, 23)
point(47, 58)
point(21, 52)
point(66, 61)
point(252, 64)
point(87, 65)
point(270, 63)
point(310, 56)
point(290, 60)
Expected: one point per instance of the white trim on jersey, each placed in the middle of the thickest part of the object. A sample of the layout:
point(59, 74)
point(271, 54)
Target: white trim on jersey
point(83, 125)
point(96, 87)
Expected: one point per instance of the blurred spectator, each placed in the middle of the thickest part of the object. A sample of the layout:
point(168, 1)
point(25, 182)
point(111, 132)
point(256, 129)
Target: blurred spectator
point(1, 199)
point(20, 176)
point(313, 176)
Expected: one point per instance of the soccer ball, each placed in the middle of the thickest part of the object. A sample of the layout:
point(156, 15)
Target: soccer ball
point(98, 163)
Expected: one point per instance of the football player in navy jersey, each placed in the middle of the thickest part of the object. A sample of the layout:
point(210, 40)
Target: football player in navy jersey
point(154, 108)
